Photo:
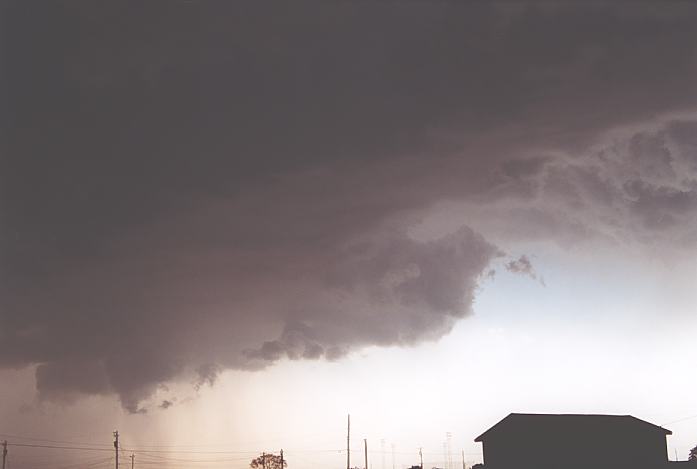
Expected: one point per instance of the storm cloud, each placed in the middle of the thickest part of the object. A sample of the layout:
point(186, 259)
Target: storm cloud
point(523, 266)
point(189, 187)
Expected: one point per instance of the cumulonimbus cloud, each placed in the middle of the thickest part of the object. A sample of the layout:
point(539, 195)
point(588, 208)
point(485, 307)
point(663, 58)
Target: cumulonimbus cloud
point(225, 194)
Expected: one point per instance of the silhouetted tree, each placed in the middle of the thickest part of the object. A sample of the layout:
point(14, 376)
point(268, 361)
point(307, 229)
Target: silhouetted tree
point(693, 454)
point(268, 461)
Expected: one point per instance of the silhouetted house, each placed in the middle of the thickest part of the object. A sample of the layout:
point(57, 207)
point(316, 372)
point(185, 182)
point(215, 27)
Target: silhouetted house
point(546, 441)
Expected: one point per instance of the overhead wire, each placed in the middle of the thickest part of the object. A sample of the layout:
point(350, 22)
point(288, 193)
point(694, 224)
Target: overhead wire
point(19, 437)
point(159, 458)
point(52, 460)
point(76, 448)
point(689, 417)
point(163, 456)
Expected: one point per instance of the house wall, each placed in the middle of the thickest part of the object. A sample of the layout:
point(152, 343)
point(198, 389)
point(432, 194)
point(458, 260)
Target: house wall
point(632, 449)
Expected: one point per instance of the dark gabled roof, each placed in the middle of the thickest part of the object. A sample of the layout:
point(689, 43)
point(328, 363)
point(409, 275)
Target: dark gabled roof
point(555, 422)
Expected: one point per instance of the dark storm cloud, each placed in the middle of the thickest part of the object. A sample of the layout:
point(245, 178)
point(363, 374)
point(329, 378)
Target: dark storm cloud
point(385, 292)
point(637, 181)
point(188, 187)
point(523, 266)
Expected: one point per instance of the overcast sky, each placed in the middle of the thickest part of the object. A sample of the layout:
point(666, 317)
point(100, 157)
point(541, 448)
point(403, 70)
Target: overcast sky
point(233, 223)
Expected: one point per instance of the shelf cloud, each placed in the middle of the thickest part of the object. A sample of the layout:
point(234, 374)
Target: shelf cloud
point(229, 185)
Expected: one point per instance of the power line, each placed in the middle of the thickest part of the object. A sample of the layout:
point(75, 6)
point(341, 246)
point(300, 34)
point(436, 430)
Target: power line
point(7, 435)
point(156, 451)
point(76, 448)
point(130, 447)
point(152, 451)
point(680, 420)
point(158, 458)
point(52, 459)
point(92, 447)
point(84, 464)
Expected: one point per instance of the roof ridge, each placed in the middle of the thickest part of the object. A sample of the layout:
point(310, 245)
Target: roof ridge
point(514, 416)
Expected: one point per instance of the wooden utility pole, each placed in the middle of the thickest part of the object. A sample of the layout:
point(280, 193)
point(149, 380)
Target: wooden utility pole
point(445, 456)
point(393, 467)
point(365, 447)
point(348, 442)
point(116, 447)
point(4, 453)
point(133, 460)
point(382, 451)
point(281, 458)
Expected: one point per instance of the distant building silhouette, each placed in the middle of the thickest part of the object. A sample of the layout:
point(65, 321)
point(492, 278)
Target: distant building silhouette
point(547, 441)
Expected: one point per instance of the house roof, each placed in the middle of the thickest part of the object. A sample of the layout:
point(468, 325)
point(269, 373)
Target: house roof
point(556, 422)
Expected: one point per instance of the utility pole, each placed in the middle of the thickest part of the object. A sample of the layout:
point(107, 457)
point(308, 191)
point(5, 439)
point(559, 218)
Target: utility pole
point(4, 453)
point(133, 460)
point(448, 439)
point(116, 447)
point(365, 447)
point(382, 451)
point(348, 442)
point(263, 460)
point(281, 458)
point(421, 457)
point(463, 459)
